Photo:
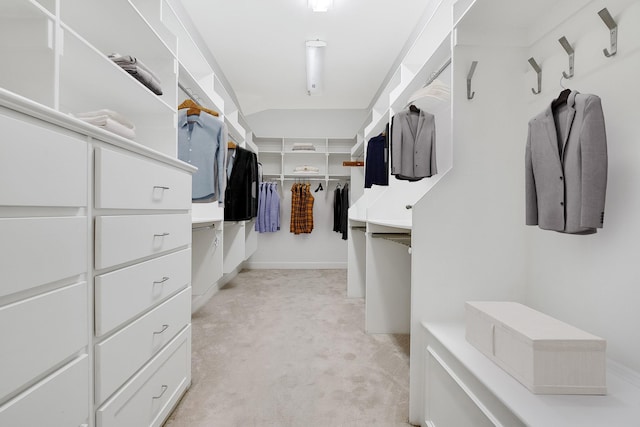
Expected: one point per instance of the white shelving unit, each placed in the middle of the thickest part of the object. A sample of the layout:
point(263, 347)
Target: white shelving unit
point(279, 160)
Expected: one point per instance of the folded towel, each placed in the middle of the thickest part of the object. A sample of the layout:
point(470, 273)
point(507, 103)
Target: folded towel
point(108, 120)
point(306, 169)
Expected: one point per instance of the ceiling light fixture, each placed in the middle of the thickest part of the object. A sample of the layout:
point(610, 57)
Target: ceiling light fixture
point(315, 66)
point(320, 5)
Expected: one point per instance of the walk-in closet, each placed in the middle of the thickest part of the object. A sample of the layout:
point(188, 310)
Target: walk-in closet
point(319, 213)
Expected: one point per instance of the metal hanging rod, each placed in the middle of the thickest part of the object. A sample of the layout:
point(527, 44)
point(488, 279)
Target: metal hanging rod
point(613, 30)
point(469, 77)
point(538, 70)
point(569, 49)
point(437, 73)
point(189, 93)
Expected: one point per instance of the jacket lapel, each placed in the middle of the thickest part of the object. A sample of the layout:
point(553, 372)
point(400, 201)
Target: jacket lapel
point(571, 114)
point(409, 125)
point(550, 125)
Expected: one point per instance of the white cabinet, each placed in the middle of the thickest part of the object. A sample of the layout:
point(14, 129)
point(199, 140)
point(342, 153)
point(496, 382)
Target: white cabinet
point(57, 245)
point(75, 199)
point(141, 339)
point(60, 399)
point(38, 344)
point(147, 398)
point(51, 166)
point(123, 294)
point(145, 235)
point(128, 182)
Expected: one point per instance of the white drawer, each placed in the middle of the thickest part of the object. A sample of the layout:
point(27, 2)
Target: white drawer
point(40, 167)
point(35, 251)
point(149, 396)
point(125, 181)
point(40, 332)
point(129, 237)
point(60, 400)
point(125, 293)
point(139, 341)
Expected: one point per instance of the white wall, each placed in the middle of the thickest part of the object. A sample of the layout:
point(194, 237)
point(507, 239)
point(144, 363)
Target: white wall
point(593, 281)
point(470, 241)
point(306, 123)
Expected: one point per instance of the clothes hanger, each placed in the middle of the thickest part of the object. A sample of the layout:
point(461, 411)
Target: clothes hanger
point(562, 97)
point(319, 188)
point(195, 109)
point(231, 145)
point(414, 109)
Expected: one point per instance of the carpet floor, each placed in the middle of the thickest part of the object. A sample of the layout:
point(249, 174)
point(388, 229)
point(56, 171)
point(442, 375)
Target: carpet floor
point(287, 348)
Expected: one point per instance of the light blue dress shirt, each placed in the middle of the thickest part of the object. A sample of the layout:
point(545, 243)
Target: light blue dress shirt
point(201, 143)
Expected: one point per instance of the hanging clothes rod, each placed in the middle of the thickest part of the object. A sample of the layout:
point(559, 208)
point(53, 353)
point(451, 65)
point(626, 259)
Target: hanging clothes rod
point(189, 93)
point(437, 73)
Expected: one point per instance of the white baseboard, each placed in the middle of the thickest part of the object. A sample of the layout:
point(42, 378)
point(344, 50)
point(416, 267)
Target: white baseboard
point(295, 265)
point(198, 301)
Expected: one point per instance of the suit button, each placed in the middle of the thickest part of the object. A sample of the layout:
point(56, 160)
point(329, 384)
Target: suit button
point(561, 203)
point(561, 178)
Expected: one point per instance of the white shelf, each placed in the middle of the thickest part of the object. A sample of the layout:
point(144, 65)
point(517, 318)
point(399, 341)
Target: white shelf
point(620, 407)
point(188, 53)
point(400, 96)
point(118, 27)
point(27, 43)
point(403, 224)
point(82, 66)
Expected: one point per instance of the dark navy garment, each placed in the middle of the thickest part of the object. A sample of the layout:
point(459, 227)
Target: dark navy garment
point(376, 170)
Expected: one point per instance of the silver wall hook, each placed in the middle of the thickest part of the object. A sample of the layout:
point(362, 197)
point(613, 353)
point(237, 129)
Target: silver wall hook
point(567, 47)
point(469, 77)
point(538, 70)
point(613, 30)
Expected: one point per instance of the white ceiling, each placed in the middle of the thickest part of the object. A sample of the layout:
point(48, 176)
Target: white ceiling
point(260, 47)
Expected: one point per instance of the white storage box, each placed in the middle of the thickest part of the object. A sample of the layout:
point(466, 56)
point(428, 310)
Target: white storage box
point(543, 353)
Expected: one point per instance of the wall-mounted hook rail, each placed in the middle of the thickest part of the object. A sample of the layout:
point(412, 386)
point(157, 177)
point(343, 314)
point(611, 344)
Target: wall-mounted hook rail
point(572, 53)
point(538, 70)
point(469, 77)
point(613, 29)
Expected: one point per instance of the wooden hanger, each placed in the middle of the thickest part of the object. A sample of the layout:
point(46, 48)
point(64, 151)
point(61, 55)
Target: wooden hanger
point(231, 145)
point(195, 108)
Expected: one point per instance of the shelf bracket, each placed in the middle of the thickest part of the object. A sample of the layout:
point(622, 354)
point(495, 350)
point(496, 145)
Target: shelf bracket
point(613, 30)
point(538, 70)
point(469, 77)
point(572, 53)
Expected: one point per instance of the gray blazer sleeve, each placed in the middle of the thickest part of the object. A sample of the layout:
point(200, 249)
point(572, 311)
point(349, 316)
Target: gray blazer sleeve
point(594, 164)
point(396, 147)
point(530, 185)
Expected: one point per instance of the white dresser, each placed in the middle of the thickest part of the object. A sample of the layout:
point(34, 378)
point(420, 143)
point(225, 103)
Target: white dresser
point(96, 261)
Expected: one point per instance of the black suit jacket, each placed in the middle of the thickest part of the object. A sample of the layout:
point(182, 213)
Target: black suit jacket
point(241, 195)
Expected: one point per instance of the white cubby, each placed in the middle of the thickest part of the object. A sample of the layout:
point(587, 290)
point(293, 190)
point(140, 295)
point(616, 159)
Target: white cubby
point(27, 42)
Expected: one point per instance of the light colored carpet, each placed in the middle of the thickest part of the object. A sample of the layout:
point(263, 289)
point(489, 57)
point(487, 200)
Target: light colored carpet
point(286, 348)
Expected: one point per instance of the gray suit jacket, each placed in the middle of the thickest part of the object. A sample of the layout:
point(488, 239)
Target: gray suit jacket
point(413, 145)
point(566, 167)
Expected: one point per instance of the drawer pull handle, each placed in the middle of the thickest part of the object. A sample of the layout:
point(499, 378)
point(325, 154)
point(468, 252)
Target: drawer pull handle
point(159, 282)
point(164, 328)
point(164, 388)
point(160, 187)
point(161, 235)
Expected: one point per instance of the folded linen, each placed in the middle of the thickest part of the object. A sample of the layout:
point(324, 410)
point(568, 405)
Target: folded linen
point(108, 120)
point(139, 71)
point(306, 169)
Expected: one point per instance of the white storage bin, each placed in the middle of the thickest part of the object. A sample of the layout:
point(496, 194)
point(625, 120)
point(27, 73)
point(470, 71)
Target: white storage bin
point(546, 355)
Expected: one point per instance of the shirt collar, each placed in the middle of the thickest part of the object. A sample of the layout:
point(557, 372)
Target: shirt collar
point(183, 119)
